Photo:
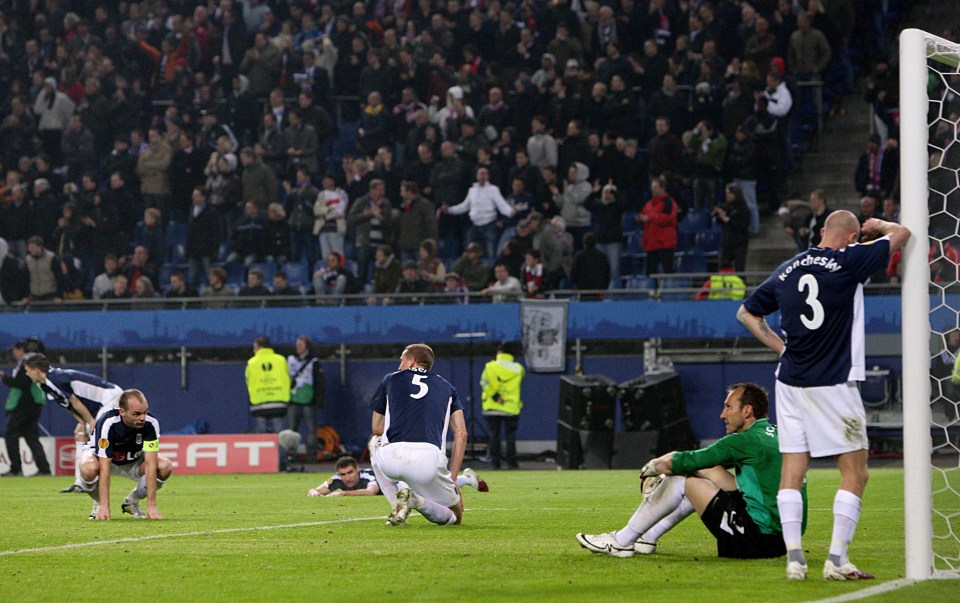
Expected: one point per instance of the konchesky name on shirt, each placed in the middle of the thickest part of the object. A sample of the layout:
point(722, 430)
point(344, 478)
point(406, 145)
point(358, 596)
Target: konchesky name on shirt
point(827, 263)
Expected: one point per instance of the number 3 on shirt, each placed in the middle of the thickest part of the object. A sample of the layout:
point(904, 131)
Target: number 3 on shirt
point(809, 282)
point(418, 381)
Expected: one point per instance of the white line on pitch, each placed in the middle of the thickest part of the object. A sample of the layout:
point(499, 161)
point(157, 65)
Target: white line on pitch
point(869, 592)
point(77, 545)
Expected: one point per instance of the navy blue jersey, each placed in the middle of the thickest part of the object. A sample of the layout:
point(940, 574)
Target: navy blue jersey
point(367, 477)
point(819, 293)
point(123, 445)
point(417, 405)
point(92, 391)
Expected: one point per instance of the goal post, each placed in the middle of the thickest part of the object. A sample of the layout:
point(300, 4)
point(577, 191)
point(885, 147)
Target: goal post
point(930, 208)
point(915, 301)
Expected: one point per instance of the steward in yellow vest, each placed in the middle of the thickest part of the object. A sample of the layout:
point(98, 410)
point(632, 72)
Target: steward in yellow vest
point(268, 384)
point(500, 395)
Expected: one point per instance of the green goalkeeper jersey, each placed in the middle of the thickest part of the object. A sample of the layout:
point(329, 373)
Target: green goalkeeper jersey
point(755, 456)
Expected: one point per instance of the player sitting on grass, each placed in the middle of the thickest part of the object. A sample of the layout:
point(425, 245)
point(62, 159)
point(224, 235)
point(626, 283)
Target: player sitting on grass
point(740, 512)
point(126, 442)
point(350, 480)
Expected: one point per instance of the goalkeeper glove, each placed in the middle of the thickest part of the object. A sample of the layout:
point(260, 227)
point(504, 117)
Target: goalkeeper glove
point(649, 470)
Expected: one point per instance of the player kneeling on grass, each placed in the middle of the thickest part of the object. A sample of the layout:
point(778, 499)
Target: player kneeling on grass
point(126, 442)
point(351, 480)
point(740, 512)
point(410, 421)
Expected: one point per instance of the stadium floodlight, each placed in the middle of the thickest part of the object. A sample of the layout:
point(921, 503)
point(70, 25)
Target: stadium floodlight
point(930, 208)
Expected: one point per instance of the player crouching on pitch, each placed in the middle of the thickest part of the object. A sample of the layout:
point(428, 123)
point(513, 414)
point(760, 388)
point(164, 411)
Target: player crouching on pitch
point(126, 442)
point(740, 512)
point(410, 421)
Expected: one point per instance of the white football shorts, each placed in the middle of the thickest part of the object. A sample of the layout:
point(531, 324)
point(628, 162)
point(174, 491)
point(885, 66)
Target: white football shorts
point(422, 466)
point(129, 471)
point(824, 421)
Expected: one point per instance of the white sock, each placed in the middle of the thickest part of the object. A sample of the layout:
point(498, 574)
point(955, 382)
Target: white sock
point(666, 524)
point(649, 512)
point(435, 512)
point(463, 481)
point(140, 492)
point(846, 514)
point(387, 485)
point(77, 479)
point(790, 505)
point(91, 488)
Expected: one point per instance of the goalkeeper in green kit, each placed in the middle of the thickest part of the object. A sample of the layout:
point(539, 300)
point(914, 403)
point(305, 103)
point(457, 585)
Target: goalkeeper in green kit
point(740, 511)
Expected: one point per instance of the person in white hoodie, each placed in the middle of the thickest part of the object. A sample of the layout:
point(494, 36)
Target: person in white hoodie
point(483, 201)
point(576, 189)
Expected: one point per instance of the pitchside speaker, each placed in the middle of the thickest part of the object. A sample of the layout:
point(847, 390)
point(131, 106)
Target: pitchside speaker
point(655, 402)
point(583, 449)
point(587, 401)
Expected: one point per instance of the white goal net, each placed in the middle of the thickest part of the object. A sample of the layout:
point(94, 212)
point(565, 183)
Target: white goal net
point(930, 208)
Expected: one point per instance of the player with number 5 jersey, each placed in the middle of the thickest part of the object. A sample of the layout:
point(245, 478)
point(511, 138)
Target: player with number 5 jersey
point(819, 294)
point(412, 410)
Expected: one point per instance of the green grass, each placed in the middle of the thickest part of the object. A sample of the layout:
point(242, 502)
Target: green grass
point(516, 543)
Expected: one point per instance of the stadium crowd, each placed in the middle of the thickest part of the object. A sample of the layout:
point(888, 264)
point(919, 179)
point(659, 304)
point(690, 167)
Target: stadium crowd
point(175, 147)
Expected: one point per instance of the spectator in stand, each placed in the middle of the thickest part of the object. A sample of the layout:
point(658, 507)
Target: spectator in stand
point(276, 236)
point(301, 142)
point(742, 165)
point(808, 235)
point(281, 285)
point(762, 45)
point(203, 237)
point(780, 102)
point(179, 288)
point(374, 127)
point(47, 210)
point(144, 289)
point(78, 146)
point(53, 110)
point(608, 207)
point(877, 168)
point(258, 181)
point(541, 146)
point(104, 281)
point(151, 234)
point(666, 149)
point(416, 223)
point(471, 267)
point(505, 286)
point(372, 219)
point(42, 269)
point(429, 266)
point(71, 279)
point(270, 145)
point(659, 219)
point(808, 54)
point(533, 277)
point(386, 272)
point(121, 289)
point(410, 283)
point(576, 190)
point(891, 210)
point(217, 279)
point(734, 219)
point(138, 265)
point(255, 286)
point(301, 200)
point(591, 268)
point(332, 279)
point(455, 288)
point(152, 169)
point(868, 208)
point(247, 237)
point(708, 147)
point(483, 201)
point(330, 211)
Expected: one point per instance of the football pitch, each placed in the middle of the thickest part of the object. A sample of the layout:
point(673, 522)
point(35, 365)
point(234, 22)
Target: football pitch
point(260, 538)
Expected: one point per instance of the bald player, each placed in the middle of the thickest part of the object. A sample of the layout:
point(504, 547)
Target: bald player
point(819, 294)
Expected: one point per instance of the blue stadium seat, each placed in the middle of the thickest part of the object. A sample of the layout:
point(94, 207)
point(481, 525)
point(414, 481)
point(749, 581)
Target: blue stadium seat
point(691, 261)
point(675, 289)
point(176, 242)
point(628, 223)
point(296, 273)
point(236, 273)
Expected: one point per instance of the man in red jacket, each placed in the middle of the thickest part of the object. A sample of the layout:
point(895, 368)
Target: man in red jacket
point(659, 219)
